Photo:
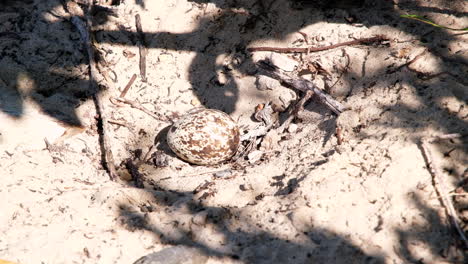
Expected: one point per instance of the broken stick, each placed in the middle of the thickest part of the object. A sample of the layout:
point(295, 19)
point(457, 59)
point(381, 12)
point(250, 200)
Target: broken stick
point(376, 39)
point(439, 182)
point(137, 105)
point(141, 47)
point(127, 87)
point(302, 85)
point(84, 29)
point(295, 110)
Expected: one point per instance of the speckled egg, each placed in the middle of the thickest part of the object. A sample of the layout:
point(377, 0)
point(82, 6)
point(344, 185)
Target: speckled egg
point(204, 137)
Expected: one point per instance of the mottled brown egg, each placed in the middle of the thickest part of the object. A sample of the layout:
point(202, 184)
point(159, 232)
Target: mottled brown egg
point(204, 137)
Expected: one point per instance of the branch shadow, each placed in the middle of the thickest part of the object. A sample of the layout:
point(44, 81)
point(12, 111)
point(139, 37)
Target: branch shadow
point(249, 243)
point(226, 39)
point(426, 236)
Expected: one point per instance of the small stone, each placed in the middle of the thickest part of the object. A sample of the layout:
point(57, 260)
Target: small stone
point(266, 83)
point(255, 156)
point(223, 174)
point(292, 128)
point(222, 79)
point(160, 159)
point(174, 255)
point(25, 83)
point(270, 141)
point(195, 102)
point(124, 174)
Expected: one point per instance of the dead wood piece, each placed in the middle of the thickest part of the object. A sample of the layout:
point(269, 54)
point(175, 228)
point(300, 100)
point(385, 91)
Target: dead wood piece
point(127, 87)
point(84, 28)
point(343, 71)
point(254, 136)
point(268, 121)
point(141, 47)
point(417, 57)
point(299, 107)
point(258, 131)
point(302, 85)
point(119, 123)
point(447, 136)
point(304, 35)
point(266, 114)
point(439, 182)
point(376, 39)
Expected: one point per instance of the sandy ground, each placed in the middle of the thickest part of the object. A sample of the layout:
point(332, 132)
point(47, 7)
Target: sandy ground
point(308, 199)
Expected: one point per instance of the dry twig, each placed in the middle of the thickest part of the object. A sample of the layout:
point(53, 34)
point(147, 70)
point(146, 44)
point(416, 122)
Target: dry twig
point(119, 123)
point(302, 85)
point(264, 115)
point(250, 139)
point(138, 106)
point(127, 87)
point(417, 57)
point(379, 38)
point(299, 107)
point(84, 29)
point(439, 182)
point(141, 47)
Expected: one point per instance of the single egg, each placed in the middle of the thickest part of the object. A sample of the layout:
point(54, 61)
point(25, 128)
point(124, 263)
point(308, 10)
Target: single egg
point(204, 137)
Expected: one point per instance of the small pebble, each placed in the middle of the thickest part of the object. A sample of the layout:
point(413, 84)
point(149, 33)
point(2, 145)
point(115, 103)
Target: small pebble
point(266, 83)
point(176, 254)
point(195, 102)
point(124, 174)
point(223, 173)
point(255, 156)
point(292, 128)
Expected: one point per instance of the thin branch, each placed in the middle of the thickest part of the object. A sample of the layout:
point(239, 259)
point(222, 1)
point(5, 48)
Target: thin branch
point(376, 39)
point(138, 106)
point(141, 47)
point(84, 30)
point(417, 57)
point(440, 184)
point(302, 85)
point(127, 87)
point(296, 110)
